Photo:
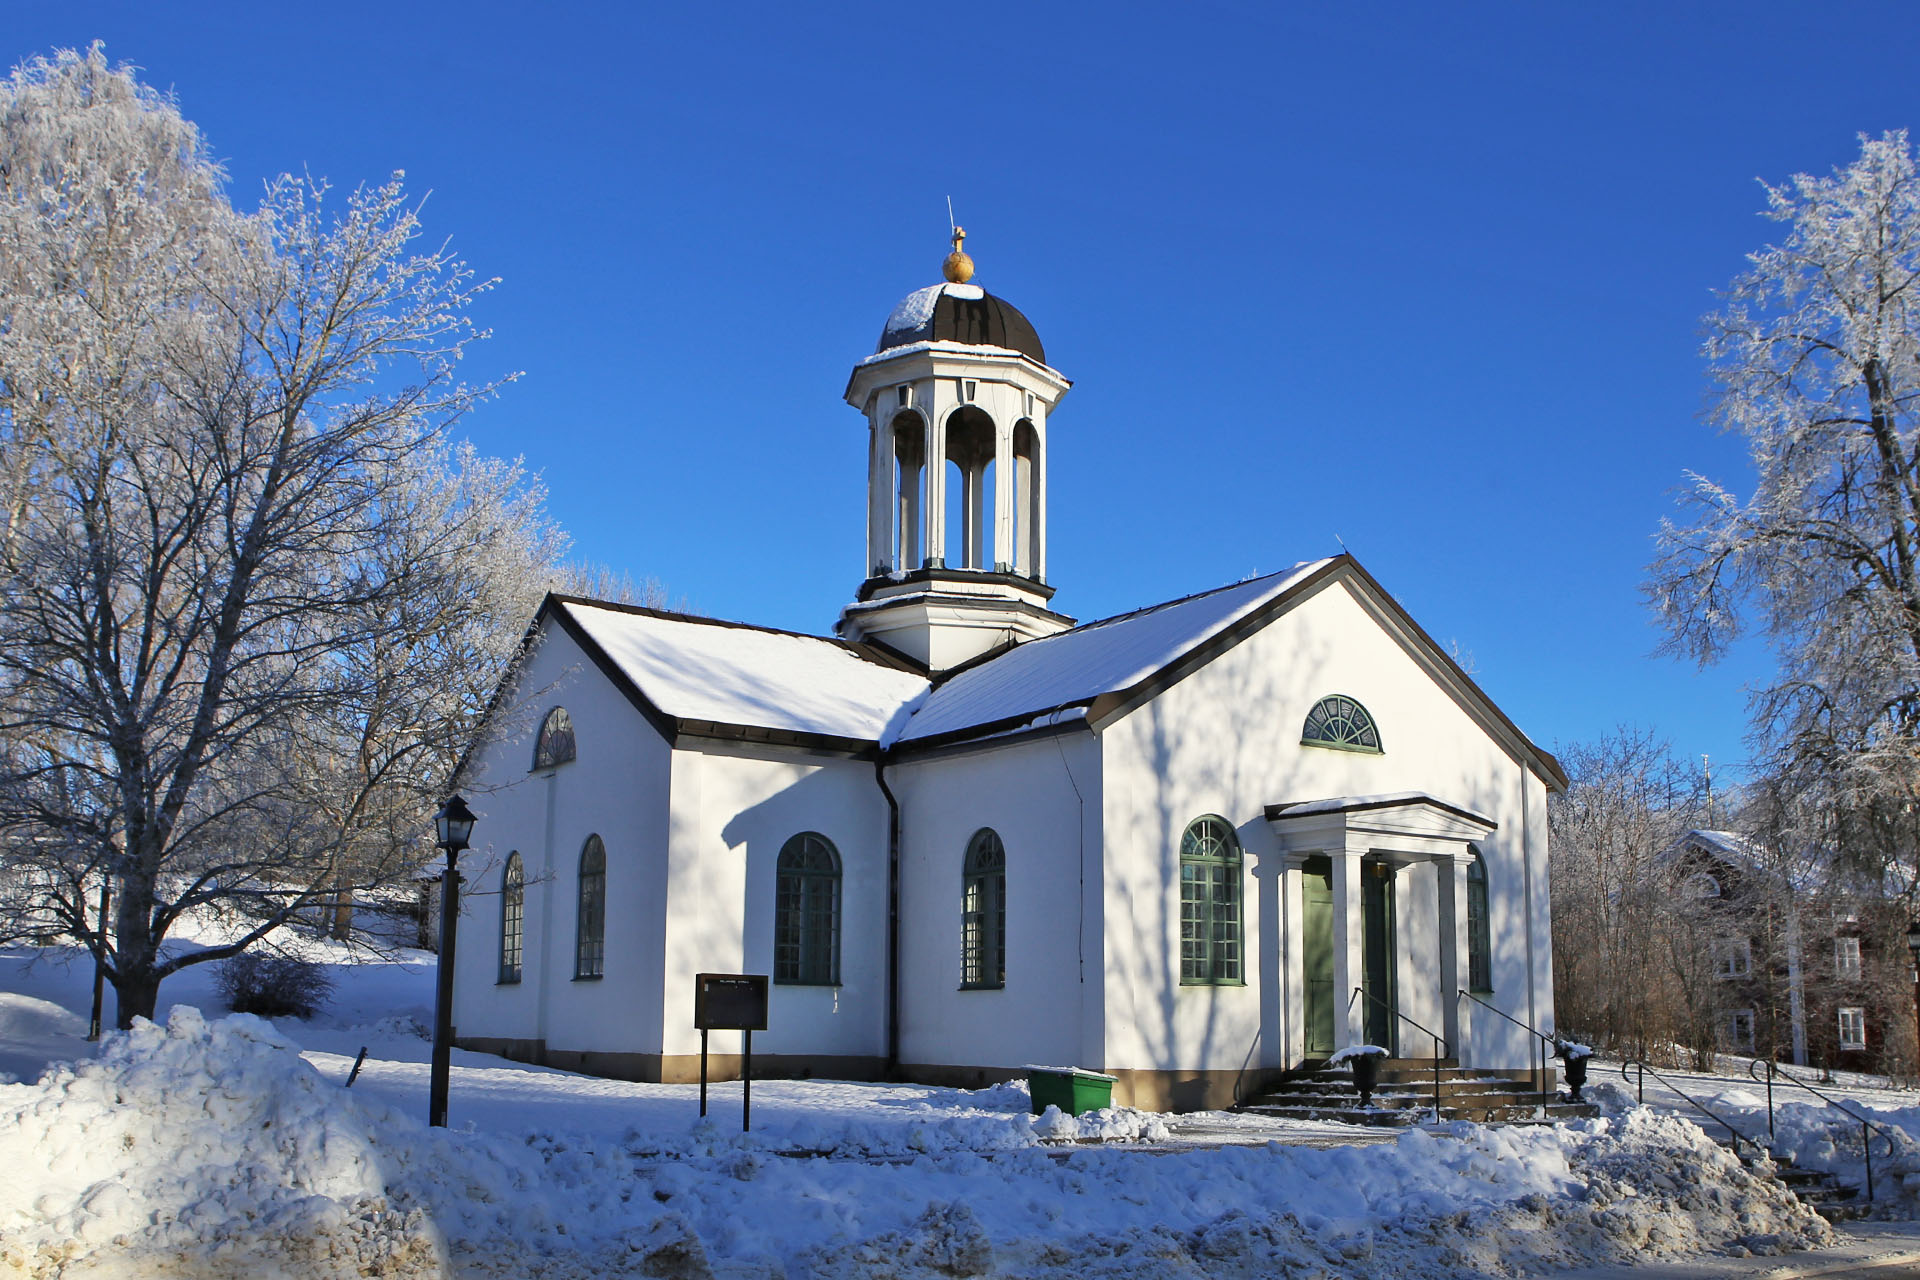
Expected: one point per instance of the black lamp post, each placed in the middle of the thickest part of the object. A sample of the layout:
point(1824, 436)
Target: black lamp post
point(452, 825)
point(1913, 947)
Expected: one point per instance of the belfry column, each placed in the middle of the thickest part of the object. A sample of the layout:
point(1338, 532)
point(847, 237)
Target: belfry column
point(1039, 566)
point(936, 484)
point(1457, 1017)
point(880, 501)
point(1004, 488)
point(1350, 1026)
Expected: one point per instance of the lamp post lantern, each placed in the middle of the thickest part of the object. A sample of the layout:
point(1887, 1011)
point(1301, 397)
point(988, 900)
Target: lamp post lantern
point(453, 826)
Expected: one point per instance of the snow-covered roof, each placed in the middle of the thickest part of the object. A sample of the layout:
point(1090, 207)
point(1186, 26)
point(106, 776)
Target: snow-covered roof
point(1075, 667)
point(703, 673)
point(722, 673)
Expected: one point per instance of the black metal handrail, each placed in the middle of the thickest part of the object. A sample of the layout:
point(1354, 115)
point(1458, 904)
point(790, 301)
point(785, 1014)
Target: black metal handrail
point(1866, 1141)
point(1440, 1049)
point(1695, 1103)
point(1547, 1042)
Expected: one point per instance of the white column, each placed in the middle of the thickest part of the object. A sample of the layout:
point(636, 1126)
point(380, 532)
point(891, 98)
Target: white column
point(973, 501)
point(1293, 1026)
point(1039, 569)
point(911, 477)
point(1456, 1019)
point(882, 506)
point(937, 487)
point(1349, 1019)
point(1004, 556)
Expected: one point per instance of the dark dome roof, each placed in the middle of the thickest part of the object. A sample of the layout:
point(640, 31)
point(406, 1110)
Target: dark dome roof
point(962, 313)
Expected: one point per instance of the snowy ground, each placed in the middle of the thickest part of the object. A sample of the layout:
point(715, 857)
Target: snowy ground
point(215, 1147)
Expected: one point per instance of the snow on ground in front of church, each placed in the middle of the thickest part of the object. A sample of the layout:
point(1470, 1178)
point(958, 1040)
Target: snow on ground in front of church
point(214, 1146)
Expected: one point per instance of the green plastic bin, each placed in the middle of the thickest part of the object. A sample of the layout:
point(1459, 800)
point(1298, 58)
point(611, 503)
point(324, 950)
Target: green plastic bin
point(1070, 1089)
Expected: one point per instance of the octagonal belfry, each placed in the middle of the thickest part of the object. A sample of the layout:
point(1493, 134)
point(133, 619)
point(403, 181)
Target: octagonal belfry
point(957, 396)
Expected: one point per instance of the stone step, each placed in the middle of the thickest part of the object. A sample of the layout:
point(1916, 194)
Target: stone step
point(1820, 1191)
point(1500, 1111)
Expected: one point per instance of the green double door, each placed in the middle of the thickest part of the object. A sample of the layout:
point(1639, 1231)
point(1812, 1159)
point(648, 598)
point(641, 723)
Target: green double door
point(1323, 1003)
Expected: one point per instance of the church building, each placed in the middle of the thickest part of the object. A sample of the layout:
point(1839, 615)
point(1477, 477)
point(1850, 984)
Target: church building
point(1195, 846)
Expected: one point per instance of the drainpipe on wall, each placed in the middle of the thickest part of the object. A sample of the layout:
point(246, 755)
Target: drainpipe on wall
point(893, 917)
point(1526, 880)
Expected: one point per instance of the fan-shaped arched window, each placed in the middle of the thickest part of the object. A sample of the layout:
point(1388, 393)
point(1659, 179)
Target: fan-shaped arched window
point(983, 912)
point(806, 912)
point(1339, 722)
point(1209, 903)
point(512, 909)
point(1702, 885)
point(555, 744)
point(590, 945)
point(1479, 936)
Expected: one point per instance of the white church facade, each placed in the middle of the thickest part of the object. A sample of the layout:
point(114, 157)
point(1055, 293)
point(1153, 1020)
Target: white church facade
point(1195, 846)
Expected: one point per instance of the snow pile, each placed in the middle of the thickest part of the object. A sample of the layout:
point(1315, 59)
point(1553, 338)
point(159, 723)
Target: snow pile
point(210, 1146)
point(1358, 1051)
point(213, 1150)
point(1816, 1136)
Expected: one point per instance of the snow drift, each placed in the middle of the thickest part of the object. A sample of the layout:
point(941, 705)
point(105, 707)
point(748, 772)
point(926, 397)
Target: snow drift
point(210, 1149)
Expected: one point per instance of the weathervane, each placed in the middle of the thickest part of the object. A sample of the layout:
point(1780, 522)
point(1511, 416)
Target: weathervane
point(958, 267)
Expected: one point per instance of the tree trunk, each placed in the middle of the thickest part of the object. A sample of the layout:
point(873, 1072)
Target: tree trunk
point(135, 994)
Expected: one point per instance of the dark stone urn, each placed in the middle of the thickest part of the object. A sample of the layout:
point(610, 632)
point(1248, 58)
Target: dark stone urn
point(1366, 1075)
point(1575, 1056)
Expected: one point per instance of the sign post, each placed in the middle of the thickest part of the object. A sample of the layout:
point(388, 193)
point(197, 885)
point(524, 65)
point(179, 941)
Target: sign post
point(730, 1002)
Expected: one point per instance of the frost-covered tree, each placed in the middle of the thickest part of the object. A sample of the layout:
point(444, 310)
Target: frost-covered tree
point(251, 597)
point(1816, 358)
point(1628, 800)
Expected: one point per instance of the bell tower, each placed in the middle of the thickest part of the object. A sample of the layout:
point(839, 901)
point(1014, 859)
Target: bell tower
point(957, 397)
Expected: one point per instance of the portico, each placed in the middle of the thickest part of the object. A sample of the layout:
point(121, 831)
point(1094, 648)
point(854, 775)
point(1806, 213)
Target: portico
point(1346, 863)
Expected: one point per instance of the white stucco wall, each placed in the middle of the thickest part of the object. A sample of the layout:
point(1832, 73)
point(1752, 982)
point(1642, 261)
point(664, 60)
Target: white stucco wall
point(733, 808)
point(1226, 741)
point(1050, 1010)
point(616, 788)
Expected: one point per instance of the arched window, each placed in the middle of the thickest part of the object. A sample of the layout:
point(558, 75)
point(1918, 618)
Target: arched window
point(555, 744)
point(590, 946)
point(983, 912)
point(1703, 885)
point(1339, 722)
point(512, 909)
point(806, 913)
point(1479, 938)
point(1209, 903)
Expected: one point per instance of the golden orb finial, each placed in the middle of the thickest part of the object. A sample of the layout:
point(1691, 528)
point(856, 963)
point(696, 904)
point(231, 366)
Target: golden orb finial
point(958, 267)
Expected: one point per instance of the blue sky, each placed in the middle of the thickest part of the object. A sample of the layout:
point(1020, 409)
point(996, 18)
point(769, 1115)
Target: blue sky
point(1424, 279)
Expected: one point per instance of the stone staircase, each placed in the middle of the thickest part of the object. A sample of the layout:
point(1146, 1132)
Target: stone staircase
point(1404, 1096)
point(1821, 1191)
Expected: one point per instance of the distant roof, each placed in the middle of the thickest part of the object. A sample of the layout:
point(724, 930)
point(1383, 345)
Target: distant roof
point(963, 313)
point(1074, 667)
point(698, 669)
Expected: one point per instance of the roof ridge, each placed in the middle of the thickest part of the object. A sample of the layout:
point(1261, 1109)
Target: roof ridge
point(674, 615)
point(1196, 595)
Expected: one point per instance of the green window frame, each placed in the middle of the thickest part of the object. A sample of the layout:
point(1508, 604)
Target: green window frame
point(806, 913)
point(983, 913)
point(1479, 933)
point(590, 946)
point(1210, 894)
point(1341, 723)
point(512, 918)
